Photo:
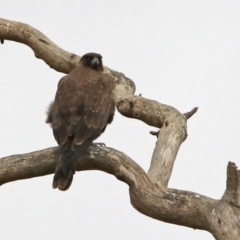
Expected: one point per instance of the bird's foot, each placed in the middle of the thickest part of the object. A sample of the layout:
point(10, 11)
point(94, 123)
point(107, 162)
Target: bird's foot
point(99, 144)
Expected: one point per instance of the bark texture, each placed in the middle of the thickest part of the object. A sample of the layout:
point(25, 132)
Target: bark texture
point(149, 192)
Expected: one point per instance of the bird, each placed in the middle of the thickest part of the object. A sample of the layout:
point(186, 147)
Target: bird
point(82, 109)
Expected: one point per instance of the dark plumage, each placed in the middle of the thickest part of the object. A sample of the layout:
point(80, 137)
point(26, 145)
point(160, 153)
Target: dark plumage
point(82, 109)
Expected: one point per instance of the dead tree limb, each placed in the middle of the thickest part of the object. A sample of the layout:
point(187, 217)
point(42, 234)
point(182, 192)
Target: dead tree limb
point(149, 193)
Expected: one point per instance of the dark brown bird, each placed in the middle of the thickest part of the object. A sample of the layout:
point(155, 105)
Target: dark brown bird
point(82, 109)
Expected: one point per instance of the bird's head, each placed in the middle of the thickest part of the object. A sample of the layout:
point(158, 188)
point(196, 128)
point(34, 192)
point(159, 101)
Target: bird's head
point(92, 60)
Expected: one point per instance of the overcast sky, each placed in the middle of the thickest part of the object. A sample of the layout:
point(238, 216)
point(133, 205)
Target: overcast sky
point(181, 53)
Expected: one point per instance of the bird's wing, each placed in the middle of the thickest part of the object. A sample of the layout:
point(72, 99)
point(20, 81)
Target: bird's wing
point(83, 107)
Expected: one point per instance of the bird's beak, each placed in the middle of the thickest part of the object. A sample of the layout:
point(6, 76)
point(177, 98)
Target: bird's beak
point(95, 61)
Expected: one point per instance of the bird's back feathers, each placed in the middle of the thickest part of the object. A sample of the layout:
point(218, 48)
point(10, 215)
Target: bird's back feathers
point(82, 108)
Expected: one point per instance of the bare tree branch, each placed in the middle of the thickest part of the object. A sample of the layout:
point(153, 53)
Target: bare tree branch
point(232, 192)
point(113, 162)
point(192, 112)
point(173, 132)
point(54, 56)
point(42, 46)
point(171, 136)
point(168, 205)
point(148, 192)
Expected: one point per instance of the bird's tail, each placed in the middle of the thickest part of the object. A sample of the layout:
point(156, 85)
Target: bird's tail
point(64, 171)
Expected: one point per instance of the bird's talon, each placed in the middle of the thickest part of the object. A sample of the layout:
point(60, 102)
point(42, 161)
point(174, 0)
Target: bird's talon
point(99, 144)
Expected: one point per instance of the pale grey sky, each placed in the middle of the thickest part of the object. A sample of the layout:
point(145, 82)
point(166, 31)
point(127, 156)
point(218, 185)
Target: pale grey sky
point(181, 53)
